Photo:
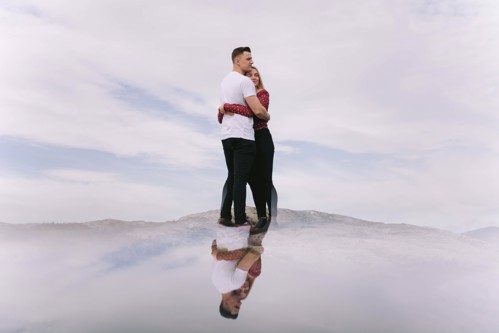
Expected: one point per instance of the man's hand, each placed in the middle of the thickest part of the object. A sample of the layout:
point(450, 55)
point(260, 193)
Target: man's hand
point(249, 259)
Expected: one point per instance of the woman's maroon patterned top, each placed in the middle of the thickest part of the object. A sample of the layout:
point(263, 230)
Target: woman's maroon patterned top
point(258, 124)
point(256, 268)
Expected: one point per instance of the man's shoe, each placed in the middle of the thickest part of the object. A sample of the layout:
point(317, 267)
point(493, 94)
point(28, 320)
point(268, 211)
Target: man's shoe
point(246, 221)
point(225, 222)
point(241, 223)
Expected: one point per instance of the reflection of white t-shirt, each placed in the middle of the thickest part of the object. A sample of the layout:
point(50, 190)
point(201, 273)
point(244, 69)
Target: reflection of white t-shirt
point(234, 89)
point(225, 274)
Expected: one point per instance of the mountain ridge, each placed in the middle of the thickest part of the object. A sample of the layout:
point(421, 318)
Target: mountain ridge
point(290, 222)
point(286, 218)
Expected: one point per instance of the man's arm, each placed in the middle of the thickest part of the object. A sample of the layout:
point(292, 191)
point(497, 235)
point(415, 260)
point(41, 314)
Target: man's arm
point(257, 108)
point(248, 260)
point(263, 97)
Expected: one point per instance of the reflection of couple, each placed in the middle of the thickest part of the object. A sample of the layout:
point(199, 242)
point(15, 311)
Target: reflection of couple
point(237, 264)
point(247, 142)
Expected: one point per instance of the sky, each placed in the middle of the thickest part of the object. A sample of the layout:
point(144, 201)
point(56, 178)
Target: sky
point(381, 110)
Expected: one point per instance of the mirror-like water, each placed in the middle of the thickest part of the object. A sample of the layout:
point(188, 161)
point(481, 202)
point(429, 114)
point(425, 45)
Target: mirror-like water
point(319, 273)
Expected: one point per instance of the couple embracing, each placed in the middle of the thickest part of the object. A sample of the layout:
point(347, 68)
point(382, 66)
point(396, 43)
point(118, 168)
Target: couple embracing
point(247, 143)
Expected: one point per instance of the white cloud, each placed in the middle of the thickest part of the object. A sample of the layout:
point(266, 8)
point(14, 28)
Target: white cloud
point(407, 84)
point(78, 196)
point(53, 92)
point(81, 176)
point(444, 190)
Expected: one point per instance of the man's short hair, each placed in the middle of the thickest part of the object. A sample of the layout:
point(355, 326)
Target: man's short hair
point(226, 314)
point(239, 50)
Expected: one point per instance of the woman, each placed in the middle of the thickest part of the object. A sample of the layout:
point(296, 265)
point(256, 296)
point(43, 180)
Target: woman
point(264, 193)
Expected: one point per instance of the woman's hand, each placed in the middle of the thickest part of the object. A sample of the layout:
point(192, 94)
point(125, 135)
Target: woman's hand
point(214, 249)
point(225, 113)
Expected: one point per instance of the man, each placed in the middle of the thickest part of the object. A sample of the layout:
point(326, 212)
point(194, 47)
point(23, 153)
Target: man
point(238, 137)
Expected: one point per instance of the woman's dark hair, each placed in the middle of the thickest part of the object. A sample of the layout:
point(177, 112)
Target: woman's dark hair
point(239, 50)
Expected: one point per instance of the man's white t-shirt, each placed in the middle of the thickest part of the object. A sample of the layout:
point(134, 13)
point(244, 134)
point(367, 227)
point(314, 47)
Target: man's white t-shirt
point(225, 274)
point(234, 89)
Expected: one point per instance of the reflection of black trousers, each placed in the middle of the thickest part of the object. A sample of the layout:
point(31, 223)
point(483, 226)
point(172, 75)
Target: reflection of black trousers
point(261, 174)
point(239, 156)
